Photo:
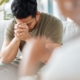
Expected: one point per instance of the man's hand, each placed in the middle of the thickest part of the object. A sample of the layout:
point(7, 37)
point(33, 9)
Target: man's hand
point(21, 31)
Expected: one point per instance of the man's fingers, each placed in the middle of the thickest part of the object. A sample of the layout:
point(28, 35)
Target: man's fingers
point(16, 25)
point(20, 36)
point(21, 26)
point(20, 31)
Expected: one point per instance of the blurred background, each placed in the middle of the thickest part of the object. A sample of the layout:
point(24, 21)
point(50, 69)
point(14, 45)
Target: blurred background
point(47, 6)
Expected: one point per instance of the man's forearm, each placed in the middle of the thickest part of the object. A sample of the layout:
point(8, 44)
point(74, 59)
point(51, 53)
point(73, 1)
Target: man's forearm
point(28, 38)
point(9, 53)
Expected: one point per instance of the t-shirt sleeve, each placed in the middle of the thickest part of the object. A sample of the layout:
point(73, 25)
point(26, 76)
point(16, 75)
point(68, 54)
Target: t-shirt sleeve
point(54, 31)
point(9, 32)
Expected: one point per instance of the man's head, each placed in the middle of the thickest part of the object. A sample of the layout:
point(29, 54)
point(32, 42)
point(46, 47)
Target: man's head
point(25, 11)
point(71, 9)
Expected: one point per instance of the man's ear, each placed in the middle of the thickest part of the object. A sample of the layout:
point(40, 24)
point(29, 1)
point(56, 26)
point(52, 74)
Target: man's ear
point(38, 13)
point(38, 16)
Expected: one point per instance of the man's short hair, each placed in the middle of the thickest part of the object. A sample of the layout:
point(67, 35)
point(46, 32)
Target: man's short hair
point(24, 8)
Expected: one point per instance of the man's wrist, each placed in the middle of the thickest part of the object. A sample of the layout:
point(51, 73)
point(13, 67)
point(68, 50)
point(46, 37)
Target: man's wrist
point(17, 39)
point(29, 37)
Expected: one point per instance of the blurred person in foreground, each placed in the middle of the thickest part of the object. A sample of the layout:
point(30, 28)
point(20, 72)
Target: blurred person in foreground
point(64, 63)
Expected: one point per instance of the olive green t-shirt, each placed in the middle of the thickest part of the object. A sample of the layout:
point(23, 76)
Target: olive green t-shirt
point(48, 25)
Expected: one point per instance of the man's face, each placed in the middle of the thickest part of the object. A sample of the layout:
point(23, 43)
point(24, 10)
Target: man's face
point(30, 22)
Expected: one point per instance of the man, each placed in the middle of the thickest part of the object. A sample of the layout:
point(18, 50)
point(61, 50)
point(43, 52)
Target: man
point(28, 23)
point(64, 63)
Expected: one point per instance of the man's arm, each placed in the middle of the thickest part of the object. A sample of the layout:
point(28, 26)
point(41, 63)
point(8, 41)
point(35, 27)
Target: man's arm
point(9, 50)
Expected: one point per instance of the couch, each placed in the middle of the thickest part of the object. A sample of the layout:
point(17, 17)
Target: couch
point(3, 24)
